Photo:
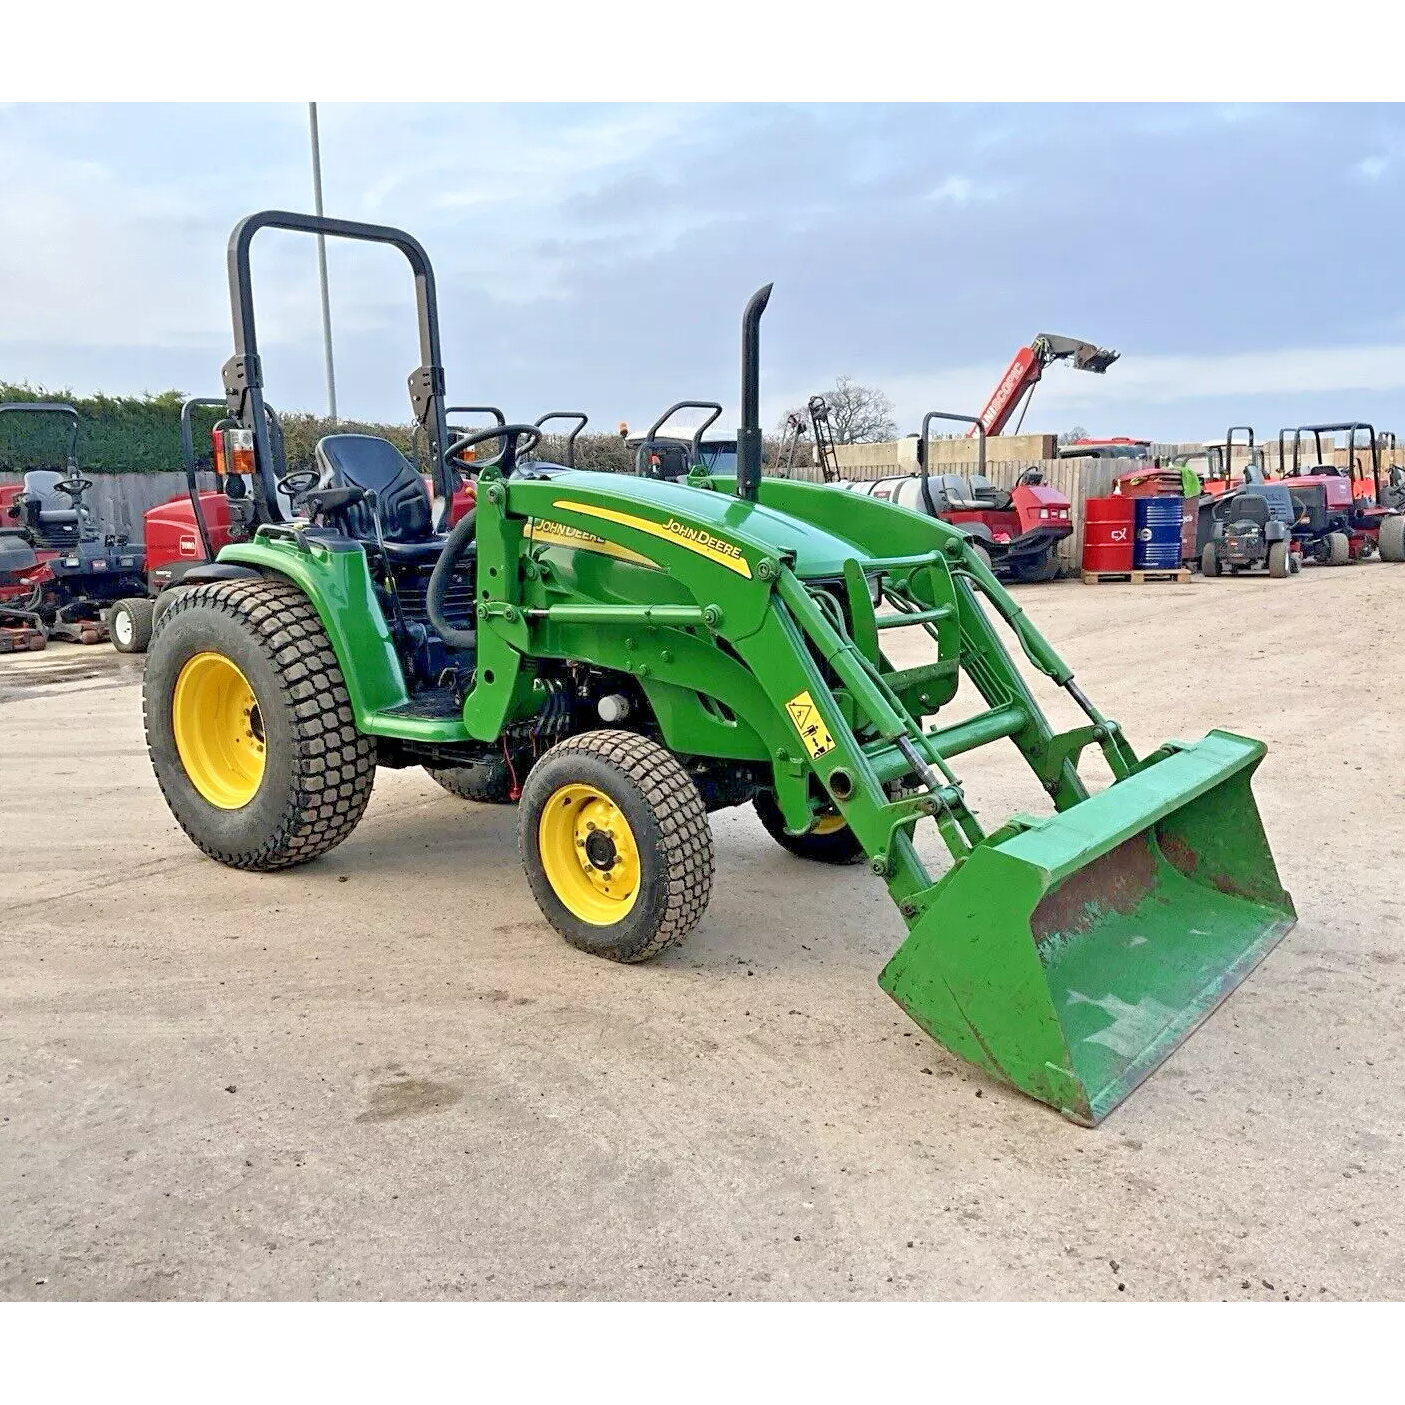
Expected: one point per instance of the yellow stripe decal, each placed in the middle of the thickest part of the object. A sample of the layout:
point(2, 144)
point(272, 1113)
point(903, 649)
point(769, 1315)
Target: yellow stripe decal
point(693, 539)
point(558, 534)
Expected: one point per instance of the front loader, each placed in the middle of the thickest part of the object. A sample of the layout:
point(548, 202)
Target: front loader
point(654, 650)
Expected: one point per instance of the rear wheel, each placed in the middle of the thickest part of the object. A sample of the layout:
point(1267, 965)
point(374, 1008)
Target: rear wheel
point(1392, 539)
point(616, 844)
point(129, 624)
point(487, 782)
point(1278, 554)
point(1036, 570)
point(982, 554)
point(250, 728)
point(1209, 560)
point(1338, 549)
point(828, 840)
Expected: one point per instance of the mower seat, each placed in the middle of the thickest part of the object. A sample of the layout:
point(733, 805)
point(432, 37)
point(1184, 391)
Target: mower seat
point(16, 555)
point(56, 509)
point(959, 493)
point(987, 494)
point(377, 466)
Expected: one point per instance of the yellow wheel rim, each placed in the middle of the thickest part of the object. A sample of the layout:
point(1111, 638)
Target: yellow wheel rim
point(589, 855)
point(219, 731)
point(829, 824)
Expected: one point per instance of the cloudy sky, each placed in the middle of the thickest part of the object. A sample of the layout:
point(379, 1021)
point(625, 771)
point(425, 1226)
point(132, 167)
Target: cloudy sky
point(1244, 259)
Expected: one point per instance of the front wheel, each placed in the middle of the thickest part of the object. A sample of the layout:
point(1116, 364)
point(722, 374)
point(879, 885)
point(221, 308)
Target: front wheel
point(1278, 555)
point(616, 844)
point(129, 624)
point(1209, 560)
point(250, 727)
point(828, 840)
point(1338, 549)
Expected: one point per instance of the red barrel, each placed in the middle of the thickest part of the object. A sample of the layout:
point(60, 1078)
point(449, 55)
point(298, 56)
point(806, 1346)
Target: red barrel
point(1107, 533)
point(1190, 518)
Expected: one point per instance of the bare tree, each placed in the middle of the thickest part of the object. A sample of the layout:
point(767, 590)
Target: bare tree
point(1069, 436)
point(858, 414)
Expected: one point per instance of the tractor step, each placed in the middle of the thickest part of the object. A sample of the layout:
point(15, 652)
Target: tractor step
point(1178, 577)
point(435, 704)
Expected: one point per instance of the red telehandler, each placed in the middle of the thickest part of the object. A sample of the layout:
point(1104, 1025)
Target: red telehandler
point(1025, 371)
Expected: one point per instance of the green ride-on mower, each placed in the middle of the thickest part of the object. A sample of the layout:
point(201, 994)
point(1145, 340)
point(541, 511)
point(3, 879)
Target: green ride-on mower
point(660, 649)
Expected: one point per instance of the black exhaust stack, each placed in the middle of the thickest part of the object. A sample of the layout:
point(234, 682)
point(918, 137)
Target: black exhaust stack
point(749, 435)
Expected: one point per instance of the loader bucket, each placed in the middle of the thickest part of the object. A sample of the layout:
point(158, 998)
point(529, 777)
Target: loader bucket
point(1074, 955)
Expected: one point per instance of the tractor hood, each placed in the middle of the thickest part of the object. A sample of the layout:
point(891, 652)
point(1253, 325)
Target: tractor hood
point(713, 520)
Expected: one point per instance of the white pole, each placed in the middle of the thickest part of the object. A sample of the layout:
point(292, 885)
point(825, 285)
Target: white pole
point(322, 264)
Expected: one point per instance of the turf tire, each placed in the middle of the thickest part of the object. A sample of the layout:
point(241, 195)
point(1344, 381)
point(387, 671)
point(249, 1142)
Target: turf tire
point(669, 823)
point(486, 782)
point(838, 847)
point(129, 624)
point(1392, 539)
point(318, 769)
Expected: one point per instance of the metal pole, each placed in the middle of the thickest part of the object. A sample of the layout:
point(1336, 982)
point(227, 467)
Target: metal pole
point(322, 264)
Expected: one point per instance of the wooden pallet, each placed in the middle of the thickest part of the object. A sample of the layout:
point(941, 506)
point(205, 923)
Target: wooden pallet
point(1180, 577)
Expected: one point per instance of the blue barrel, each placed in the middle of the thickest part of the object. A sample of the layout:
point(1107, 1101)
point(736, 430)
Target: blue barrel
point(1157, 544)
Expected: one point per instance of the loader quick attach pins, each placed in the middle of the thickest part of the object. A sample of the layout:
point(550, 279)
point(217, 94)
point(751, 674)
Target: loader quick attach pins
point(731, 628)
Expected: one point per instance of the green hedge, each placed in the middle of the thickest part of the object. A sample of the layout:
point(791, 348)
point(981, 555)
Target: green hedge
point(141, 434)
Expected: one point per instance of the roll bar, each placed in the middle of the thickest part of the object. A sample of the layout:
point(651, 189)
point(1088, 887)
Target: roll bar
point(663, 419)
point(581, 419)
point(1352, 429)
point(50, 407)
point(243, 372)
point(197, 402)
point(960, 419)
point(1229, 446)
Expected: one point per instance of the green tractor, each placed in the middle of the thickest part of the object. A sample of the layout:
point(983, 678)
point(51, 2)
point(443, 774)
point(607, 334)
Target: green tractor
point(655, 650)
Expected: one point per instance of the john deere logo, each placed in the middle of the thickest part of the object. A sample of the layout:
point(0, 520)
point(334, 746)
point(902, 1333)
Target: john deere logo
point(701, 538)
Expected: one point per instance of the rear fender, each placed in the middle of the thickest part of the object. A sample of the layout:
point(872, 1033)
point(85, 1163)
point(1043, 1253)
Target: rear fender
point(336, 579)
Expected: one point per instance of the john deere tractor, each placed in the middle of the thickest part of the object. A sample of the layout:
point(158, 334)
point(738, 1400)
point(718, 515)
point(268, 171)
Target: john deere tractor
point(655, 650)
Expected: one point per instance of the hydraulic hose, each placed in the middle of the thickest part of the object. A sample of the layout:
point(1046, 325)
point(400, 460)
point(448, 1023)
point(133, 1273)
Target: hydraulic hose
point(454, 549)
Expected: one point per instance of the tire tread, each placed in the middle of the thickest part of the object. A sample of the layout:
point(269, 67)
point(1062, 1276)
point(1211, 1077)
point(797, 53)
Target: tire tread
point(336, 764)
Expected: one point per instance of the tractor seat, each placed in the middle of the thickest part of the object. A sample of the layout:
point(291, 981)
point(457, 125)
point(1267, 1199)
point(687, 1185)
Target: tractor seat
point(376, 465)
point(56, 509)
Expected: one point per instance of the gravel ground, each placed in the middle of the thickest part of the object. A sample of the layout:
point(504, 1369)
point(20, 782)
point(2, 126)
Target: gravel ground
point(384, 1076)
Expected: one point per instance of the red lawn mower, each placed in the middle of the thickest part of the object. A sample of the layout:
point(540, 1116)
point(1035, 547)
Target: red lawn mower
point(1343, 513)
point(58, 572)
point(1018, 528)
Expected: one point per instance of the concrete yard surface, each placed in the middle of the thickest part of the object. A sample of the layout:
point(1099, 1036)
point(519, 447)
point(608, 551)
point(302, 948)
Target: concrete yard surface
point(384, 1076)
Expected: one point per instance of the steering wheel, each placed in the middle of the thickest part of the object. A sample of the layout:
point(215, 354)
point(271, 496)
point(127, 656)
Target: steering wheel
point(74, 487)
point(1031, 477)
point(518, 439)
point(299, 481)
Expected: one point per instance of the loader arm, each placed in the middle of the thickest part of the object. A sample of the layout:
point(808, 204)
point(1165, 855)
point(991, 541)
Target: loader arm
point(1023, 955)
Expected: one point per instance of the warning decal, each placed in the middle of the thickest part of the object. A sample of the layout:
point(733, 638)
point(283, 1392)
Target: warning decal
point(810, 724)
